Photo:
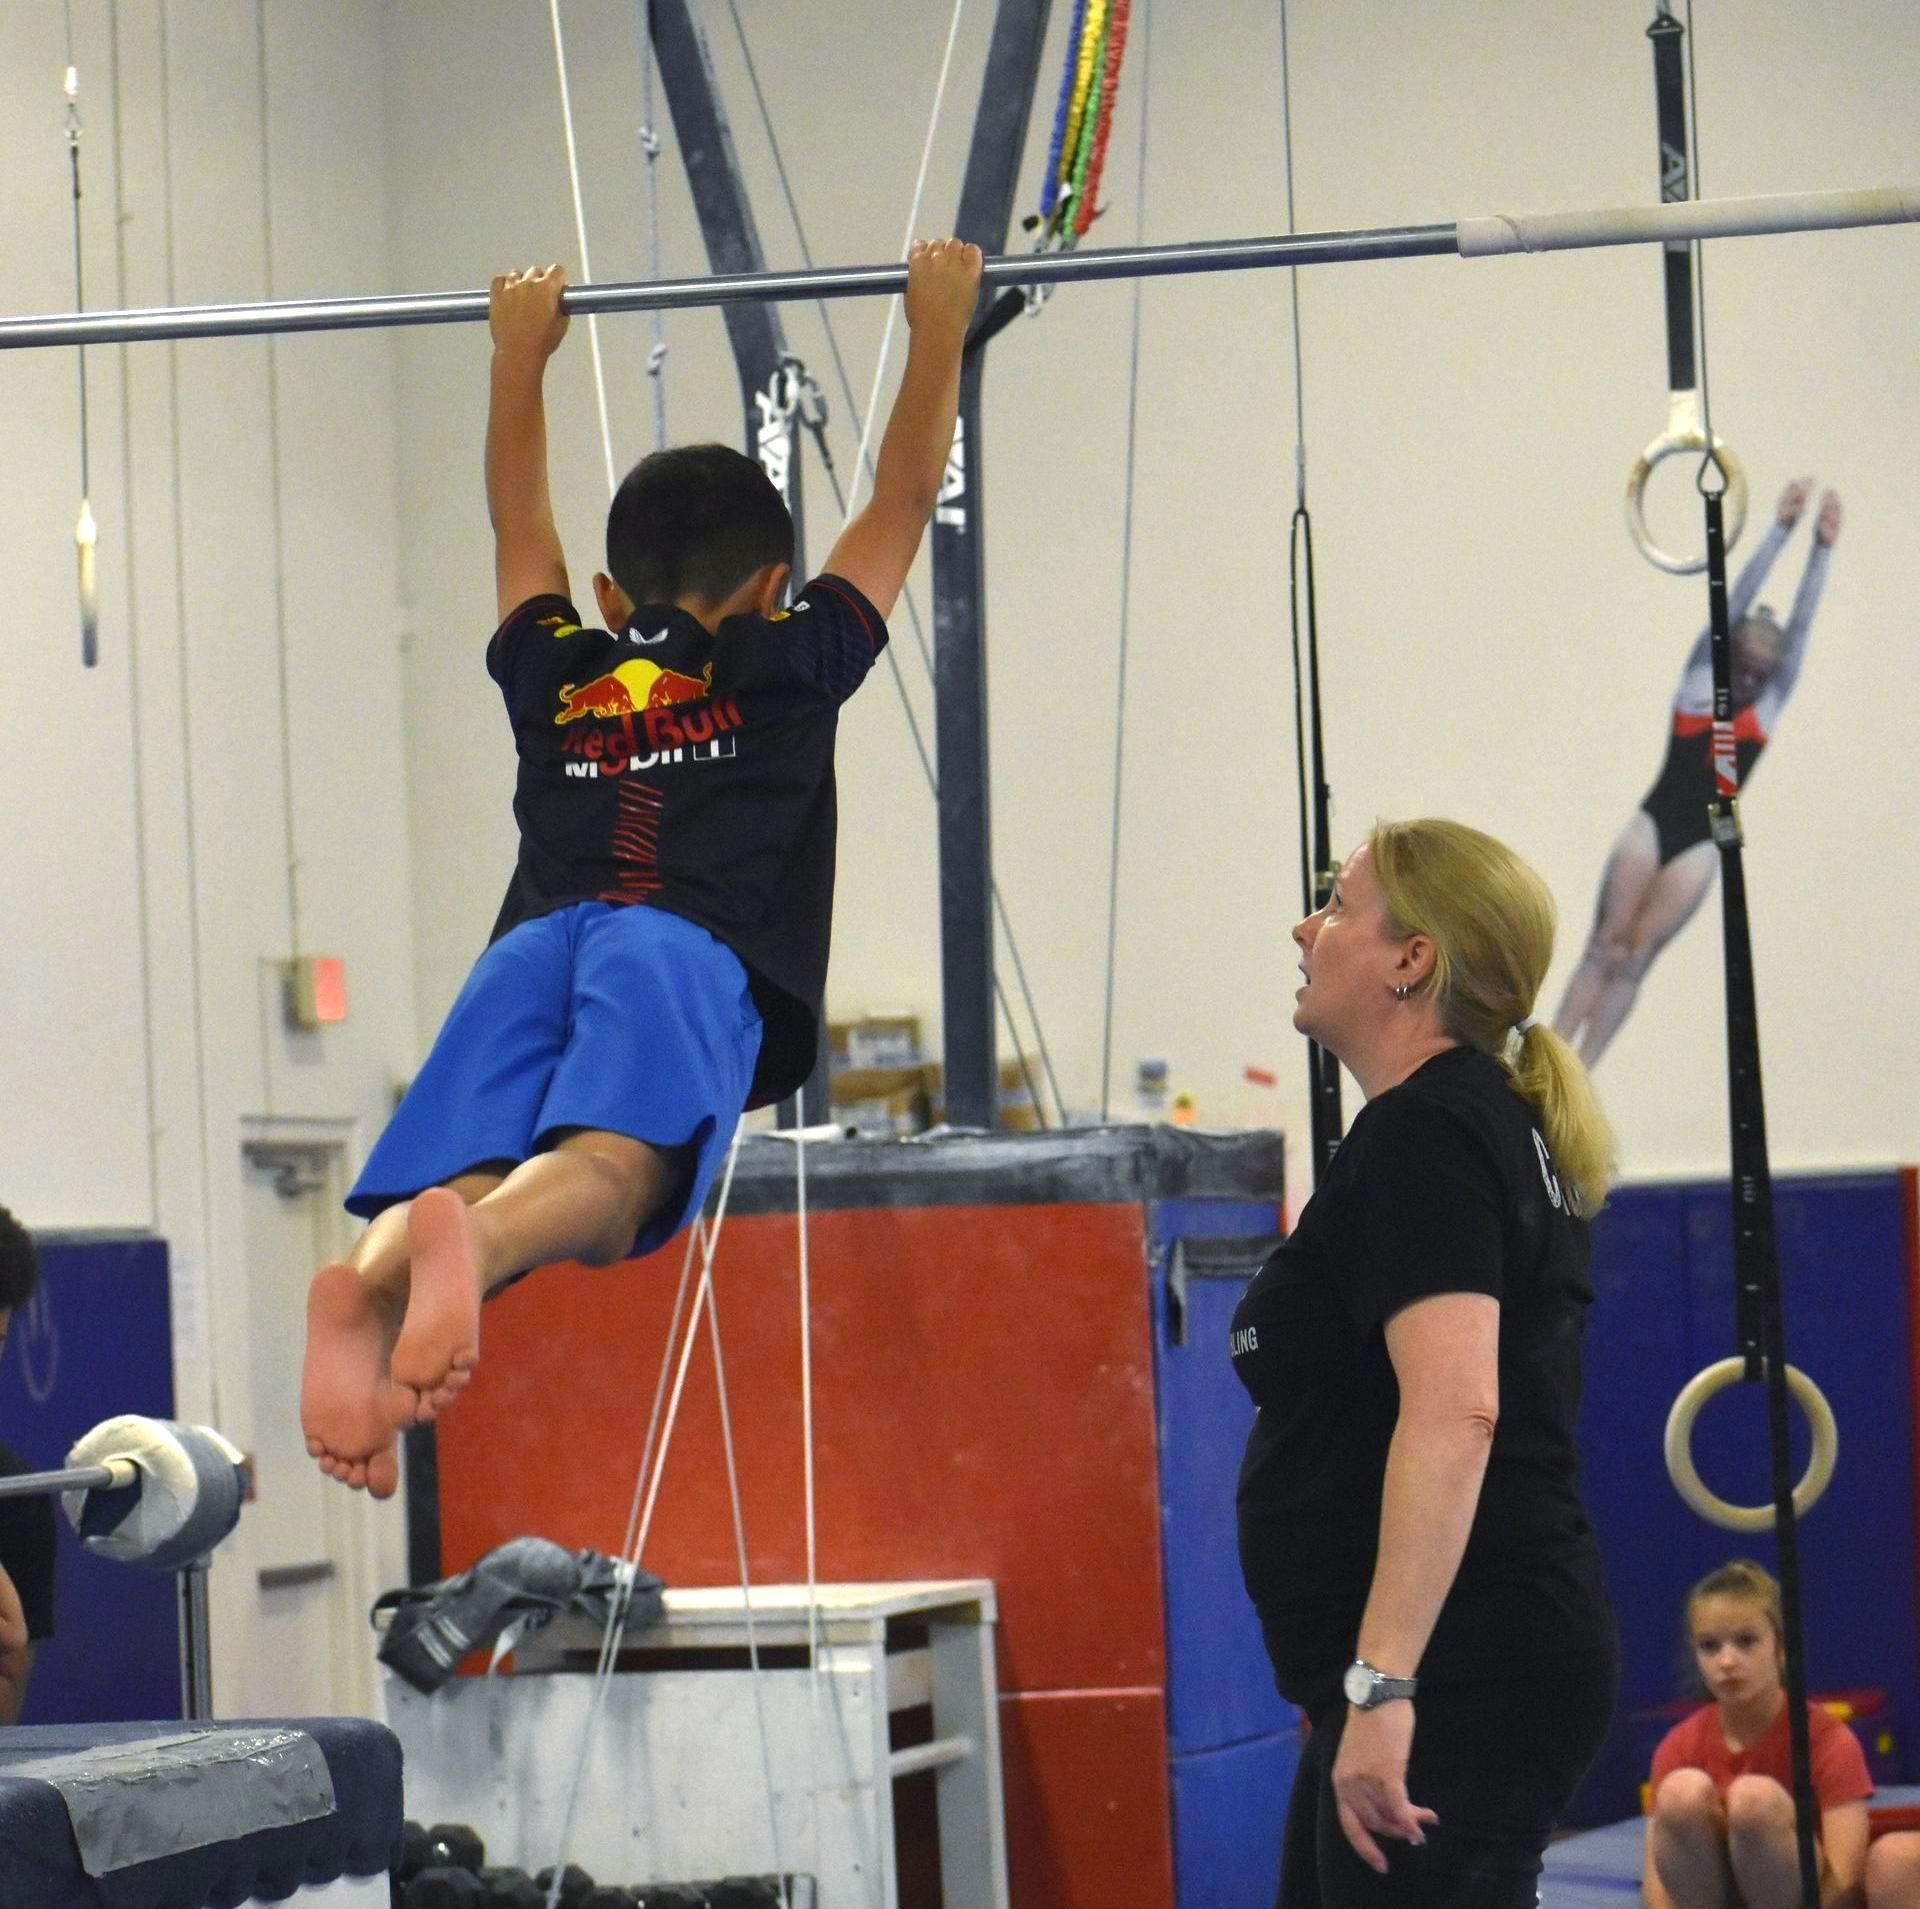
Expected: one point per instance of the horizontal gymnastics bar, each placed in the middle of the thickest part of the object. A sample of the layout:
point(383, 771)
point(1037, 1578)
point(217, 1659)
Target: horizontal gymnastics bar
point(1467, 238)
point(115, 1476)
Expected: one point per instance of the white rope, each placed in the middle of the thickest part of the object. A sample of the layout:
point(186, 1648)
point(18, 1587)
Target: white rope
point(806, 1448)
point(580, 233)
point(746, 1596)
point(906, 245)
point(708, 1241)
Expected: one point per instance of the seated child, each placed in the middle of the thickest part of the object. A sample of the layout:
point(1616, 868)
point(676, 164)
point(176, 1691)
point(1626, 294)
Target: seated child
point(659, 961)
point(1721, 1834)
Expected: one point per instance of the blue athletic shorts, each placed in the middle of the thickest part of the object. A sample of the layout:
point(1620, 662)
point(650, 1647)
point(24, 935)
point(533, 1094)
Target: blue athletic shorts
point(629, 1020)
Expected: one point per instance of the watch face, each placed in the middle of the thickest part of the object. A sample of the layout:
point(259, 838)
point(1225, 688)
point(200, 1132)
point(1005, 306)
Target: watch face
point(1357, 1684)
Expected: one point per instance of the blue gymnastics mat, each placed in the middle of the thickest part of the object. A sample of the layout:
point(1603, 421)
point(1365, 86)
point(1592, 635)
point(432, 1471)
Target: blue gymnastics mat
point(1600, 1868)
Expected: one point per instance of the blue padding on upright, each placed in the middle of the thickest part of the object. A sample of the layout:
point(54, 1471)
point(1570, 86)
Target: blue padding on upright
point(1229, 1809)
point(1219, 1683)
point(40, 1865)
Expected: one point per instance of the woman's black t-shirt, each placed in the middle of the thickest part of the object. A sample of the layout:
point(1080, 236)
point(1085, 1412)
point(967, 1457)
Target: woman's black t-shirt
point(1444, 1185)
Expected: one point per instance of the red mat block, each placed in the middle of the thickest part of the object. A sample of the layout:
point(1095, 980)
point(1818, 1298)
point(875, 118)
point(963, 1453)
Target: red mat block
point(983, 1401)
point(1088, 1821)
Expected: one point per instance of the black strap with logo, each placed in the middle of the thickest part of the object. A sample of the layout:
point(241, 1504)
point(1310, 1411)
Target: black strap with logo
point(1670, 104)
point(1759, 1318)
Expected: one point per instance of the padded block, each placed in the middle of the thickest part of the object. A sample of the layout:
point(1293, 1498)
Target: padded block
point(1086, 1798)
point(983, 1399)
point(1229, 1815)
point(1219, 1682)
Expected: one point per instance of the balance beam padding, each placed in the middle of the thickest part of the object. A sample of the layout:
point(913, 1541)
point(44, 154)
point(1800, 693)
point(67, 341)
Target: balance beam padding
point(40, 1861)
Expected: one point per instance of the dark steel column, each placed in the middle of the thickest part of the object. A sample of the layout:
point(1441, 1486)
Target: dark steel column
point(959, 598)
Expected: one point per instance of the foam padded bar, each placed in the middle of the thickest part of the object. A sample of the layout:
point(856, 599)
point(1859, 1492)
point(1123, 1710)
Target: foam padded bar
point(40, 1861)
point(1689, 219)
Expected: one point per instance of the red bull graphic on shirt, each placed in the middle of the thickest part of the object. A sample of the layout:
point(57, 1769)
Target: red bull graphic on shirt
point(629, 687)
point(639, 716)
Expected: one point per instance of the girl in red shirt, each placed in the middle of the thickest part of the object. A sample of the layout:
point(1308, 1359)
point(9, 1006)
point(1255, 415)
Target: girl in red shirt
point(1721, 1833)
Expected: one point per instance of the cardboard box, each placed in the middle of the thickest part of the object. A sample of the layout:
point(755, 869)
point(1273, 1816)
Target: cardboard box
point(1017, 1112)
point(880, 1102)
point(874, 1040)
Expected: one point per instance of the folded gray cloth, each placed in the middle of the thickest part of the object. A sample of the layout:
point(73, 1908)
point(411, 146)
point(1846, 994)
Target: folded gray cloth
point(518, 1587)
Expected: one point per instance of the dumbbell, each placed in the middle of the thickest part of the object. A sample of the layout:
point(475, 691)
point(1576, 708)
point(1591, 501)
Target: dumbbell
point(414, 1855)
point(509, 1888)
point(575, 1886)
point(444, 1888)
point(744, 1892)
point(454, 1846)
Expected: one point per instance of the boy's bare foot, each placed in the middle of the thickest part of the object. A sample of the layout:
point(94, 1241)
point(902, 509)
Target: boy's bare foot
point(343, 1382)
point(439, 1342)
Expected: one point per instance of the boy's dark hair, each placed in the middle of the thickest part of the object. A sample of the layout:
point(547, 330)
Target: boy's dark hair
point(19, 1263)
point(697, 522)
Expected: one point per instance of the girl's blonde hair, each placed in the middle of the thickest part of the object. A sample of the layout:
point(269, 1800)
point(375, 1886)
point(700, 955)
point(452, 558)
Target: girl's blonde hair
point(1491, 922)
point(1749, 1582)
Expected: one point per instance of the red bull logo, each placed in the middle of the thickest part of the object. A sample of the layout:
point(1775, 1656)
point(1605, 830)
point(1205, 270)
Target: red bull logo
point(629, 688)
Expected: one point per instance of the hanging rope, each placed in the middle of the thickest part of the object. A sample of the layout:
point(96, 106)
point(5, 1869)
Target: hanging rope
point(277, 500)
point(86, 532)
point(863, 462)
point(706, 1240)
point(1077, 150)
point(746, 1596)
point(1093, 154)
point(1325, 1121)
point(1126, 567)
point(1057, 148)
point(580, 237)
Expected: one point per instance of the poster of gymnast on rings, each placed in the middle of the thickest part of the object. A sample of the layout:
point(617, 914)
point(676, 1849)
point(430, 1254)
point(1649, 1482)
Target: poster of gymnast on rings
point(1663, 862)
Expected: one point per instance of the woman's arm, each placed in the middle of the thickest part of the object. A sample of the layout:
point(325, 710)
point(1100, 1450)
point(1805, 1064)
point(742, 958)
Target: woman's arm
point(1445, 1353)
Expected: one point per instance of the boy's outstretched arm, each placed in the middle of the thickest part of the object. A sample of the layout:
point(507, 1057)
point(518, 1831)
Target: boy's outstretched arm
point(876, 550)
point(524, 315)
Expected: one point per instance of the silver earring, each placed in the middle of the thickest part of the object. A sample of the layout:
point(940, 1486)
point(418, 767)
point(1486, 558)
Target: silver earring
point(1400, 994)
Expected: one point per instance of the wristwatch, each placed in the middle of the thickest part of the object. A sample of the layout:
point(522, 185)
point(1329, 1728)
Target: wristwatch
point(1368, 1689)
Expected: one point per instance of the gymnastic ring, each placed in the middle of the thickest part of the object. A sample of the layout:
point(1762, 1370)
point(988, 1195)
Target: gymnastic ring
point(1679, 1447)
point(1670, 444)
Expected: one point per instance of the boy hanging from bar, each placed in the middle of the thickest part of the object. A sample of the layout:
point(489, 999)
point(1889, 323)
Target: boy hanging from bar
point(659, 961)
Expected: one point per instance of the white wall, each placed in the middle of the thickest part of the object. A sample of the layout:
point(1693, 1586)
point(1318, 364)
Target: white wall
point(153, 805)
point(1494, 647)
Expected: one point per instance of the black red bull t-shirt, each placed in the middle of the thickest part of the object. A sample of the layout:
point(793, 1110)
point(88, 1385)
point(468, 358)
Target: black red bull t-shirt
point(673, 768)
